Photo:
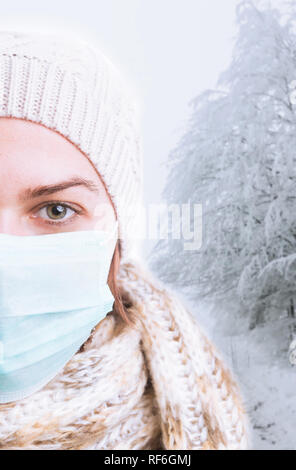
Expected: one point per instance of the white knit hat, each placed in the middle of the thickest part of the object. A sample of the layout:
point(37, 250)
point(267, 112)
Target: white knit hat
point(74, 89)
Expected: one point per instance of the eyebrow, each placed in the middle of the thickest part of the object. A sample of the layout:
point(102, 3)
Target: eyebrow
point(39, 191)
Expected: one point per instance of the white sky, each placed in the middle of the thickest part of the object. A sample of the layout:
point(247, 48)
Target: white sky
point(170, 50)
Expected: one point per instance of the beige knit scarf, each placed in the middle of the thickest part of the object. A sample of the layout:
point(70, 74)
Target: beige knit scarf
point(158, 385)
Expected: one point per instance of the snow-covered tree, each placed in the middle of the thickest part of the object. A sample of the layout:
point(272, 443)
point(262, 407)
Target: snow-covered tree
point(238, 158)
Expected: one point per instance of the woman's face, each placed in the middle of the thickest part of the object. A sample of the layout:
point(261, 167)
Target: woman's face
point(47, 185)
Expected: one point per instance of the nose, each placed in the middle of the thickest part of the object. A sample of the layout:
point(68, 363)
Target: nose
point(10, 222)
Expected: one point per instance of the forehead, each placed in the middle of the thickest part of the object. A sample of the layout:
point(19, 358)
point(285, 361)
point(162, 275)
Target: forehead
point(32, 152)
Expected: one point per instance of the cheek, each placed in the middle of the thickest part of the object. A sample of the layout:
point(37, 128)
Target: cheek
point(103, 216)
point(102, 213)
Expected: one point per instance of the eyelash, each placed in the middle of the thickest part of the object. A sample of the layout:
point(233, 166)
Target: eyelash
point(58, 203)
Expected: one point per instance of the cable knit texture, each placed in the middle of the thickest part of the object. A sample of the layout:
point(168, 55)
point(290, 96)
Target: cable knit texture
point(159, 384)
point(75, 90)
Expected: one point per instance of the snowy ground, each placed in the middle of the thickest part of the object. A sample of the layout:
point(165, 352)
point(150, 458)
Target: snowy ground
point(259, 361)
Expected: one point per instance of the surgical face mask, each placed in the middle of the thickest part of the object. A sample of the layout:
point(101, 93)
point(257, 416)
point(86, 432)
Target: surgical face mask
point(53, 292)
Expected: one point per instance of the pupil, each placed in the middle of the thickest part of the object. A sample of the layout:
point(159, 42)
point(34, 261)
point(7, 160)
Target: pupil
point(56, 211)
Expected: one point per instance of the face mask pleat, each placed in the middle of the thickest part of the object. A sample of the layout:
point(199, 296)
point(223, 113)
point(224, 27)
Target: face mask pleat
point(53, 329)
point(25, 378)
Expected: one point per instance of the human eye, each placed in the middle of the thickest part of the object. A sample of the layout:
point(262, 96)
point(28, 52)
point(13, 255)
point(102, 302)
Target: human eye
point(56, 213)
